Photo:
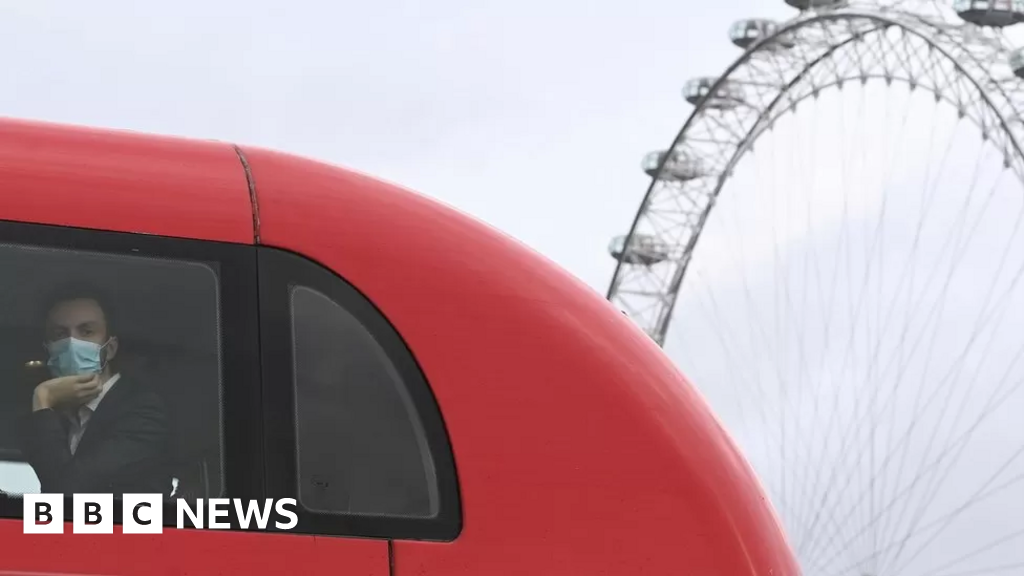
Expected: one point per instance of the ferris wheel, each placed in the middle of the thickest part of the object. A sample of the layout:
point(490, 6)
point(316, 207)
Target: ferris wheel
point(838, 231)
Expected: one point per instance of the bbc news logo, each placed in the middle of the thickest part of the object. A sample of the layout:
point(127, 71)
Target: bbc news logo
point(144, 513)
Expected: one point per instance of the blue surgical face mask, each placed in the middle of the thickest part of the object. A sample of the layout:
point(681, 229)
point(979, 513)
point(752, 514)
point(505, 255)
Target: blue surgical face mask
point(71, 357)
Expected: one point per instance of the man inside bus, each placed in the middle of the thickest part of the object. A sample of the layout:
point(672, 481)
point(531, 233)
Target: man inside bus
point(91, 430)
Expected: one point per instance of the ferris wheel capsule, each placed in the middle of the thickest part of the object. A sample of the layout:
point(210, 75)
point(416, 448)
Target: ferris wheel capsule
point(679, 167)
point(746, 33)
point(992, 13)
point(698, 91)
point(643, 249)
point(814, 4)
point(1017, 62)
point(651, 162)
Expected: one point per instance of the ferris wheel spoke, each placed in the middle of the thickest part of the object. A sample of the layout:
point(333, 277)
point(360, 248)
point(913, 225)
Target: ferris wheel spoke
point(945, 521)
point(977, 497)
point(804, 455)
point(855, 316)
point(1011, 537)
point(841, 242)
point(856, 310)
point(881, 254)
point(782, 309)
point(961, 441)
point(910, 270)
point(763, 343)
point(858, 421)
point(843, 246)
point(751, 309)
point(970, 343)
point(843, 236)
point(927, 195)
point(815, 461)
point(958, 368)
point(793, 317)
point(990, 570)
point(992, 404)
point(869, 256)
point(769, 343)
point(906, 437)
point(948, 520)
point(939, 522)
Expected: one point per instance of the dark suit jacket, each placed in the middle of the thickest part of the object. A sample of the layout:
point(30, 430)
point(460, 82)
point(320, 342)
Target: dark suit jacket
point(125, 447)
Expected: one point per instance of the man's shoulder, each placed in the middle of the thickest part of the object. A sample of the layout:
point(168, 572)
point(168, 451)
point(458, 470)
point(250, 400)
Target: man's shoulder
point(133, 395)
point(137, 409)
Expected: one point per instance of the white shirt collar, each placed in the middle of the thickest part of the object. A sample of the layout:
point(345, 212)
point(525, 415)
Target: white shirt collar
point(92, 404)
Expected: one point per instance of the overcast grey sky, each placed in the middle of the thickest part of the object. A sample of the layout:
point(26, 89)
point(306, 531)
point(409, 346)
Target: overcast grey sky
point(530, 115)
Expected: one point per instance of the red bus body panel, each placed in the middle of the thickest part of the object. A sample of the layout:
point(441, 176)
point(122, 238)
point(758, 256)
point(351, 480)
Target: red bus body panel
point(123, 181)
point(579, 446)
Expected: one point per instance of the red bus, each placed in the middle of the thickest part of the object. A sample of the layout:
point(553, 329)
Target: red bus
point(436, 397)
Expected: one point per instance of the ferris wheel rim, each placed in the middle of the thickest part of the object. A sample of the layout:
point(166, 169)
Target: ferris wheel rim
point(934, 34)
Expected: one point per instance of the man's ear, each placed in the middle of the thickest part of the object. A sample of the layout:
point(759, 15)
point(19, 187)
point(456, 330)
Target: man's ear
point(111, 348)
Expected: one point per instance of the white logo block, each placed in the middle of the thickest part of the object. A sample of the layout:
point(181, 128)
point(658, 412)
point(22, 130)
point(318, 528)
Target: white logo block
point(43, 513)
point(93, 514)
point(142, 514)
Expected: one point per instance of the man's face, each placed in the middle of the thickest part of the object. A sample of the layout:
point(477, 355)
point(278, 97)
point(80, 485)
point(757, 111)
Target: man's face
point(82, 319)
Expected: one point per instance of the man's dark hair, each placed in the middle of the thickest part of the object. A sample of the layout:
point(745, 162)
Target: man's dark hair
point(79, 291)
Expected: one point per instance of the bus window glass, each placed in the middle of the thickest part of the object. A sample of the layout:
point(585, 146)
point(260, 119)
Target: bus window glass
point(361, 447)
point(109, 374)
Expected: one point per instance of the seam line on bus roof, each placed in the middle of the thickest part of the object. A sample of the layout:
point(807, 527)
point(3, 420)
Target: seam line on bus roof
point(253, 201)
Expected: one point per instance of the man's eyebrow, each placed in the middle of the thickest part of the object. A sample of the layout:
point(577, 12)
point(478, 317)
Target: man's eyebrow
point(56, 329)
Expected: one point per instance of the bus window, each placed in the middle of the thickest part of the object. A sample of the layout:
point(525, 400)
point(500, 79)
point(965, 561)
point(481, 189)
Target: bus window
point(354, 433)
point(360, 445)
point(110, 367)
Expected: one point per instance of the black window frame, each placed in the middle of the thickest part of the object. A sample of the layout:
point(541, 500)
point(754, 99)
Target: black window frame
point(242, 454)
point(279, 272)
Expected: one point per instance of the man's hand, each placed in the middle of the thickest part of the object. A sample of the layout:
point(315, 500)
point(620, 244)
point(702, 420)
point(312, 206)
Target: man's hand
point(66, 391)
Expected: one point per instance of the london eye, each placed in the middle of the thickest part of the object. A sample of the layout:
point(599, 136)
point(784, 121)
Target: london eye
point(834, 238)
